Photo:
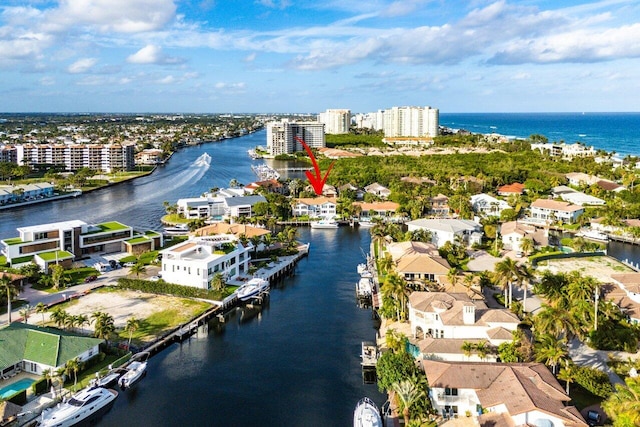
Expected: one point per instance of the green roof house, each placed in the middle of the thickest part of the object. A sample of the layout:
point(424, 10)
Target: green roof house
point(33, 349)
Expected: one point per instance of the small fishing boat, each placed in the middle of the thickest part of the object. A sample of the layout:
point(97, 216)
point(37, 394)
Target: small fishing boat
point(366, 414)
point(109, 380)
point(252, 288)
point(88, 404)
point(136, 370)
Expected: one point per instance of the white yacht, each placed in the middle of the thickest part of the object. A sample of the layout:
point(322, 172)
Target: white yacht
point(252, 288)
point(324, 224)
point(84, 406)
point(366, 414)
point(177, 230)
point(364, 288)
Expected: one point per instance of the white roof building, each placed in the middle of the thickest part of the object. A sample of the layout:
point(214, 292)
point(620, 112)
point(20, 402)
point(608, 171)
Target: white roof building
point(446, 230)
point(196, 261)
point(488, 205)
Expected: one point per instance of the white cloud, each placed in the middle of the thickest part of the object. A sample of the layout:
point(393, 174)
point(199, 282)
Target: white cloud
point(83, 65)
point(152, 54)
point(166, 80)
point(250, 58)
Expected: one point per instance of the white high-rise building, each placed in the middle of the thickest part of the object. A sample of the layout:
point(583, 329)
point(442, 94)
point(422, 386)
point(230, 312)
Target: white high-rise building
point(411, 121)
point(335, 121)
point(281, 136)
point(373, 121)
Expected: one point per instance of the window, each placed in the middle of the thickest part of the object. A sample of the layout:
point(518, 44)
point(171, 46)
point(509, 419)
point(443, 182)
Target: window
point(451, 391)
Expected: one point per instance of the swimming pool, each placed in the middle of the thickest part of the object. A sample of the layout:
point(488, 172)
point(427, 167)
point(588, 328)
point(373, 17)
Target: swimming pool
point(13, 388)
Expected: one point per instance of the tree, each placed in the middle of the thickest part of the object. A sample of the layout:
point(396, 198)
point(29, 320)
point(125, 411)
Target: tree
point(386, 263)
point(467, 348)
point(137, 269)
point(7, 286)
point(408, 394)
point(623, 406)
point(394, 288)
point(527, 245)
point(551, 351)
point(567, 373)
point(81, 320)
point(72, 366)
point(41, 309)
point(506, 272)
point(57, 273)
point(218, 283)
point(59, 316)
point(103, 326)
point(132, 325)
point(24, 313)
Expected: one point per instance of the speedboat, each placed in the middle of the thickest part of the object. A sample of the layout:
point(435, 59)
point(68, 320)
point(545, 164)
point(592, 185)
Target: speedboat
point(366, 414)
point(363, 288)
point(108, 380)
point(594, 235)
point(324, 224)
point(84, 406)
point(252, 288)
point(136, 370)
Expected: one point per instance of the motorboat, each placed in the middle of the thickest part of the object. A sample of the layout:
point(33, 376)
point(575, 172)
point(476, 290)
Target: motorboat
point(324, 224)
point(109, 380)
point(367, 414)
point(252, 288)
point(177, 230)
point(203, 160)
point(369, 354)
point(366, 223)
point(136, 370)
point(593, 235)
point(363, 270)
point(86, 405)
point(364, 288)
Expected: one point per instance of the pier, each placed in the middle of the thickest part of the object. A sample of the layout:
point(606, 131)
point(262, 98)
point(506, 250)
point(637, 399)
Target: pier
point(624, 239)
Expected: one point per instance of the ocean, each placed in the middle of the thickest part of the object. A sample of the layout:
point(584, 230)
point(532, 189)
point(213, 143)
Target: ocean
point(612, 132)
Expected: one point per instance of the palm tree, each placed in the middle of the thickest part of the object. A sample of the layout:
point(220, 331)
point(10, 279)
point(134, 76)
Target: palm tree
point(408, 394)
point(72, 366)
point(504, 273)
point(218, 283)
point(48, 375)
point(132, 325)
point(6, 284)
point(57, 273)
point(555, 321)
point(551, 350)
point(104, 326)
point(623, 406)
point(394, 288)
point(137, 269)
point(59, 316)
point(482, 349)
point(386, 263)
point(81, 320)
point(467, 348)
point(24, 313)
point(255, 241)
point(452, 275)
point(267, 239)
point(42, 309)
point(526, 245)
point(567, 374)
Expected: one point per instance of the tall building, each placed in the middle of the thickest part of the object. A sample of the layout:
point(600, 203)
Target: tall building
point(411, 121)
point(99, 157)
point(281, 136)
point(335, 121)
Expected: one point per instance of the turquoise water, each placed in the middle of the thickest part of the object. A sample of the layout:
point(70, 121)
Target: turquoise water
point(13, 388)
point(619, 132)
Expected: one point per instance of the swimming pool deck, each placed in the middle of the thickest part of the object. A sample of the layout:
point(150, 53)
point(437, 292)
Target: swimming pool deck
point(17, 378)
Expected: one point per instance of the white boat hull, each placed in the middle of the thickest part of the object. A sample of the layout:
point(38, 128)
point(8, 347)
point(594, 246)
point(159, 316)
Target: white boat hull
point(68, 414)
point(324, 224)
point(136, 371)
point(367, 414)
point(252, 288)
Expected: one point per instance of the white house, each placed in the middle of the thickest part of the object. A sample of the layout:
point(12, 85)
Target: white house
point(513, 233)
point(446, 230)
point(196, 261)
point(500, 394)
point(550, 210)
point(378, 190)
point(455, 315)
point(488, 205)
point(318, 207)
point(218, 206)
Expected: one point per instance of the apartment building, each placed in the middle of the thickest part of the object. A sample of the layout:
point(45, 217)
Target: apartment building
point(335, 121)
point(411, 121)
point(99, 157)
point(282, 136)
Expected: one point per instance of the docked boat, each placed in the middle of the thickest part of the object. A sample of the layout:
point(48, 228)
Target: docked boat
point(108, 380)
point(364, 288)
point(324, 224)
point(369, 354)
point(136, 370)
point(367, 414)
point(177, 230)
point(252, 288)
point(86, 405)
point(593, 235)
point(366, 223)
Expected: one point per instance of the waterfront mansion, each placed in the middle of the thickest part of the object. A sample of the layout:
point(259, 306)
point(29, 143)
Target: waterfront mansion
point(196, 261)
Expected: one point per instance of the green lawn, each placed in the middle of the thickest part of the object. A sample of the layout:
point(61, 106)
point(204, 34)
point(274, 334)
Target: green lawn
point(582, 398)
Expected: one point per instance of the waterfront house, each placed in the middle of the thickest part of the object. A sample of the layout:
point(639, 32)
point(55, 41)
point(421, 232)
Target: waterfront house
point(65, 241)
point(218, 206)
point(457, 316)
point(418, 261)
point(553, 210)
point(500, 394)
point(566, 151)
point(456, 350)
point(269, 185)
point(578, 179)
point(378, 190)
point(376, 209)
point(513, 233)
point(314, 207)
point(511, 189)
point(33, 349)
point(484, 204)
point(149, 156)
point(448, 230)
point(627, 296)
point(575, 197)
point(149, 241)
point(196, 261)
point(358, 192)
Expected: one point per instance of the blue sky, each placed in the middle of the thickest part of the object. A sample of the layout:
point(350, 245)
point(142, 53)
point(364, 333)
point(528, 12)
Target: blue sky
point(222, 56)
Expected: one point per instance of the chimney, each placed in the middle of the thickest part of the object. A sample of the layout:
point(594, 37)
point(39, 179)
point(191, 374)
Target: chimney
point(469, 314)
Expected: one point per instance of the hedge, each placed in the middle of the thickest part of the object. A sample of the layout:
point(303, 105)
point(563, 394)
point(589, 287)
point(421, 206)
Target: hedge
point(162, 287)
point(594, 381)
point(40, 386)
point(20, 398)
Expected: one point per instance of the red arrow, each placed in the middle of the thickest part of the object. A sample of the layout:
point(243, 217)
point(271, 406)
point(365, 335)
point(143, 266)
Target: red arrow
point(317, 181)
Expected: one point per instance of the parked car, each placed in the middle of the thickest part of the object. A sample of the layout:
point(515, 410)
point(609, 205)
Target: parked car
point(154, 278)
point(89, 279)
point(593, 418)
point(129, 264)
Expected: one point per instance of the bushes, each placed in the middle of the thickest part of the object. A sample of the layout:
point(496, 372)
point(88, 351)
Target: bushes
point(593, 380)
point(614, 337)
point(161, 287)
point(40, 386)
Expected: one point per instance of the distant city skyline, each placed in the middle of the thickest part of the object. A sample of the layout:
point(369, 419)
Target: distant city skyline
point(286, 56)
